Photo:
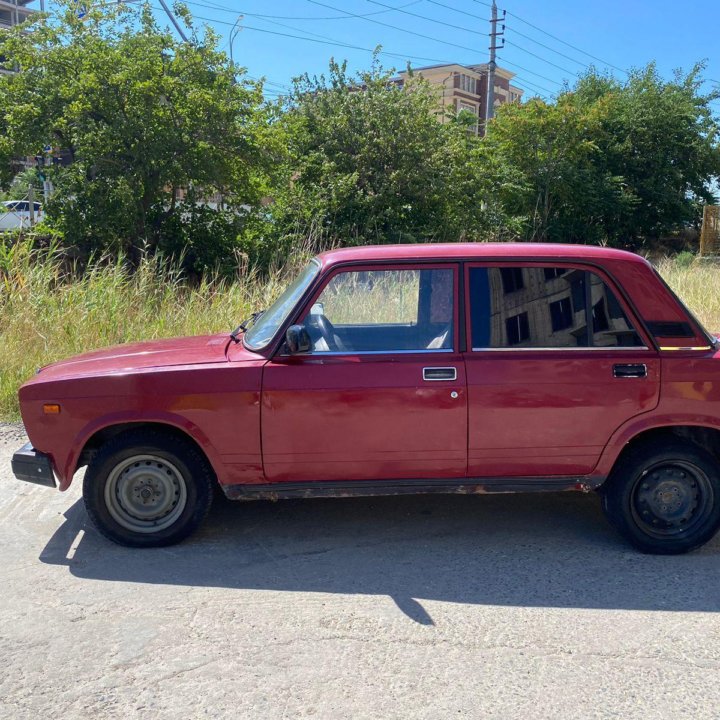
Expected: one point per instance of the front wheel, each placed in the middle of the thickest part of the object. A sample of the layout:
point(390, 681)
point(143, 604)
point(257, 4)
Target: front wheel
point(664, 497)
point(147, 489)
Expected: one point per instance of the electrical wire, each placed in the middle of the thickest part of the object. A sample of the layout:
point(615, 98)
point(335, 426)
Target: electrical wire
point(295, 17)
point(527, 70)
point(394, 27)
point(322, 42)
point(425, 17)
point(539, 57)
point(560, 40)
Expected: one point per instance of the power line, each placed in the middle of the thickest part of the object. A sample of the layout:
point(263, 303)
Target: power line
point(425, 17)
point(547, 47)
point(532, 72)
point(322, 42)
point(457, 10)
point(539, 57)
point(528, 37)
point(295, 17)
point(394, 27)
point(554, 37)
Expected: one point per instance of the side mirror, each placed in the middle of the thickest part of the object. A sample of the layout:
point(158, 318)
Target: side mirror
point(298, 340)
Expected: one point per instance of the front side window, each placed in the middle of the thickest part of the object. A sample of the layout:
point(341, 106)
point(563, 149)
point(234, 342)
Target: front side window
point(545, 307)
point(263, 331)
point(384, 311)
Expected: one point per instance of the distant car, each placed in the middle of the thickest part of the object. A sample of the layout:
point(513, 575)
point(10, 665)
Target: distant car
point(463, 368)
point(15, 214)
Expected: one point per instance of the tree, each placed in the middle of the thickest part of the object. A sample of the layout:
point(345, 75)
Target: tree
point(152, 128)
point(369, 162)
point(609, 161)
point(661, 138)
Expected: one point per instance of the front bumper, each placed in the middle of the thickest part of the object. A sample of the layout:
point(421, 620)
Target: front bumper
point(32, 466)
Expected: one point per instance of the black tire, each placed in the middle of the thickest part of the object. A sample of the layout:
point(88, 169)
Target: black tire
point(147, 489)
point(664, 496)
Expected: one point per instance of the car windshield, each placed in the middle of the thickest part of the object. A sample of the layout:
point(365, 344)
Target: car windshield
point(263, 331)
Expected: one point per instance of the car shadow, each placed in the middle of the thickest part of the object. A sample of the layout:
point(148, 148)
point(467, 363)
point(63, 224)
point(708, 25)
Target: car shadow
point(553, 550)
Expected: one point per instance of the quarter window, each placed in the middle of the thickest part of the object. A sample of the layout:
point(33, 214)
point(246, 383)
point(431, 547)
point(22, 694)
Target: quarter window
point(545, 307)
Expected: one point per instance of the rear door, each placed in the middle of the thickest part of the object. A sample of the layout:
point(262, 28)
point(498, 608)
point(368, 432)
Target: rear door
point(556, 363)
point(382, 393)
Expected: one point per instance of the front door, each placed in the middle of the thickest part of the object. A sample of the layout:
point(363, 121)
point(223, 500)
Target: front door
point(556, 363)
point(382, 392)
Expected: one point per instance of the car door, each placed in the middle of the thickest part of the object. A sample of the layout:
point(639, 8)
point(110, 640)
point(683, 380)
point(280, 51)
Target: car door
point(382, 392)
point(556, 363)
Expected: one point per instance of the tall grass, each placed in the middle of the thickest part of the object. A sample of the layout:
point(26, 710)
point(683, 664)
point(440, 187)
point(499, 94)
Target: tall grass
point(698, 285)
point(48, 312)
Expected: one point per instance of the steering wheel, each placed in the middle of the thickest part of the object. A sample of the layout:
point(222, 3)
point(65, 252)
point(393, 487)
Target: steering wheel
point(320, 326)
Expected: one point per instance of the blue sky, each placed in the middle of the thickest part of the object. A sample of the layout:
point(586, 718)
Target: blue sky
point(610, 33)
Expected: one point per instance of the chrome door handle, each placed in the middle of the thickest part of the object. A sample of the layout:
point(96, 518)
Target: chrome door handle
point(439, 373)
point(630, 370)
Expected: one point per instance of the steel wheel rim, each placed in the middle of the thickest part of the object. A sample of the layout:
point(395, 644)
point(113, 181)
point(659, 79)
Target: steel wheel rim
point(145, 494)
point(671, 498)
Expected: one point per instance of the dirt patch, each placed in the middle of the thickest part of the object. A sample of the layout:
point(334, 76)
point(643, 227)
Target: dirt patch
point(12, 434)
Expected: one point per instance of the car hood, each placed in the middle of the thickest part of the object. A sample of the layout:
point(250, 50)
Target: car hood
point(136, 356)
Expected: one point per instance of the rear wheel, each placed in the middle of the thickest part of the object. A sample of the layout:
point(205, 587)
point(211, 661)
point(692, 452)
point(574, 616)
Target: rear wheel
point(664, 497)
point(147, 489)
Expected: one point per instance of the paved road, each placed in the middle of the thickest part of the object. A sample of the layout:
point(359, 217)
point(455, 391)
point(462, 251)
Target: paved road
point(425, 607)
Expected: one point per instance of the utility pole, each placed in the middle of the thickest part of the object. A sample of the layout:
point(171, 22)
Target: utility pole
point(234, 32)
point(492, 65)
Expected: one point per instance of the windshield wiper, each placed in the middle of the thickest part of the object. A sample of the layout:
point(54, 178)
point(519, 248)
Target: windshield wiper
point(244, 325)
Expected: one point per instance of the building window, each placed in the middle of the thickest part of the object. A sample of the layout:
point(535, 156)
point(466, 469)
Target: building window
point(468, 84)
point(512, 279)
point(561, 314)
point(552, 273)
point(517, 329)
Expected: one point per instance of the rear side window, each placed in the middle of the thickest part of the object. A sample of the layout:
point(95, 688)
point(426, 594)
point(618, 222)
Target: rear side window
point(545, 307)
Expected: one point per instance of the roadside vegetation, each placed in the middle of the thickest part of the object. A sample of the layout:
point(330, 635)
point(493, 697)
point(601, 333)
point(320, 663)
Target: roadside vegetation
point(157, 146)
point(48, 311)
point(183, 199)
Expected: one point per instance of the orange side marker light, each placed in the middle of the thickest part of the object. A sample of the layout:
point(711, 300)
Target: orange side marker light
point(51, 409)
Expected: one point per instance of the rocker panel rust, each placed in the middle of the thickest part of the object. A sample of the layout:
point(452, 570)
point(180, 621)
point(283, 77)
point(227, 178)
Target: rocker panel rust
point(365, 488)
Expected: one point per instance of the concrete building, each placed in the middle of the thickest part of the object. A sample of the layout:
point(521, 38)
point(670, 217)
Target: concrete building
point(464, 87)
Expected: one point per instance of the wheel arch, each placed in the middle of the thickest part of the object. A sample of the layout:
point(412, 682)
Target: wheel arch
point(705, 435)
point(102, 431)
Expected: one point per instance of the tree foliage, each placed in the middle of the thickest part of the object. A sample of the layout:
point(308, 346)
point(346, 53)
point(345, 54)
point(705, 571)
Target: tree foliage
point(369, 162)
point(609, 161)
point(167, 147)
point(153, 129)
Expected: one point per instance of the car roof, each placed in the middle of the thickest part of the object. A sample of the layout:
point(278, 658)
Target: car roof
point(475, 251)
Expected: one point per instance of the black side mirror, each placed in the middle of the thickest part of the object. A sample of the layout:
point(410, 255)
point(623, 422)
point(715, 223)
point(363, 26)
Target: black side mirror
point(298, 340)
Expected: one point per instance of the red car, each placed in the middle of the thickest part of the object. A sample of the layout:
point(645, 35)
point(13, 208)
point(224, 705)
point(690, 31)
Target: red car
point(464, 368)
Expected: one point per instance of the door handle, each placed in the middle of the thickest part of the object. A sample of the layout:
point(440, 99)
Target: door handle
point(439, 373)
point(631, 370)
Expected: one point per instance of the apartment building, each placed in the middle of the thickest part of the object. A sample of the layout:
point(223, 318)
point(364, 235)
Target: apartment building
point(465, 87)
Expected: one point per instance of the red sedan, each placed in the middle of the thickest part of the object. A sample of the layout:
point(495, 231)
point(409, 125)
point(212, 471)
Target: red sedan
point(463, 368)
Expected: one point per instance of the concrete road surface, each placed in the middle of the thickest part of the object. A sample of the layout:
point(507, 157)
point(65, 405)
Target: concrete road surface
point(414, 607)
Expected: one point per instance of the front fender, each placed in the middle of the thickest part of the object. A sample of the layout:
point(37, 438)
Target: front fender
point(170, 419)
